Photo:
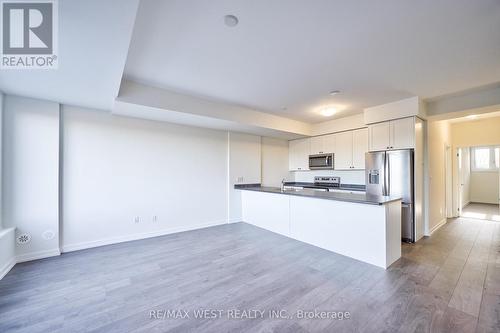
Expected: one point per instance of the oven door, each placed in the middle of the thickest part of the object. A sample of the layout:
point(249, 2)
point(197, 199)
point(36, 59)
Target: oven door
point(322, 161)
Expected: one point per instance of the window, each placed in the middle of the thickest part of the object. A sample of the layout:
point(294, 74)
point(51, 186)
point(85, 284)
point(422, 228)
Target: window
point(485, 158)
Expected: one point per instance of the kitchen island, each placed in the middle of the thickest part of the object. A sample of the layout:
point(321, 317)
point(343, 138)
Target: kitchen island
point(360, 226)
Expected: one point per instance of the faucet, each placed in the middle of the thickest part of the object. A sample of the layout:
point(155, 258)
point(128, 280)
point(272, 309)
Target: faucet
point(283, 184)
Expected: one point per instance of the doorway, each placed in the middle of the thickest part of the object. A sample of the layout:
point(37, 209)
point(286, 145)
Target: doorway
point(478, 182)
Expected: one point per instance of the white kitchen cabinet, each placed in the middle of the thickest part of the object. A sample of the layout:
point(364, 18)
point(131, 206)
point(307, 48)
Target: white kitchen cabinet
point(269, 211)
point(403, 133)
point(298, 154)
point(380, 136)
point(317, 145)
point(359, 148)
point(343, 151)
point(323, 144)
point(394, 134)
point(329, 143)
point(350, 149)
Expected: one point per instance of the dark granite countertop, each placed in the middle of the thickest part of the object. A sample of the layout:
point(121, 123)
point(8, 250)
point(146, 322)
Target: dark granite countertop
point(310, 193)
point(347, 187)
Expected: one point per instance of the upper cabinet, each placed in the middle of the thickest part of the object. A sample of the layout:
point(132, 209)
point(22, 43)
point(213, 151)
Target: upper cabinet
point(343, 151)
point(403, 133)
point(359, 148)
point(394, 134)
point(323, 144)
point(350, 149)
point(317, 145)
point(380, 136)
point(298, 154)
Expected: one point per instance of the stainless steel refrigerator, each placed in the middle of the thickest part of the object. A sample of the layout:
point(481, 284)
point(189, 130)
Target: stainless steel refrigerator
point(391, 173)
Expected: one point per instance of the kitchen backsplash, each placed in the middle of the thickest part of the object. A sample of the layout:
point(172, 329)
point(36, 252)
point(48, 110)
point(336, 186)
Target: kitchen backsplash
point(346, 177)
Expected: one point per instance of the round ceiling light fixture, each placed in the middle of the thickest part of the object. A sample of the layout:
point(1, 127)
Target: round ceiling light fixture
point(231, 20)
point(328, 111)
point(334, 92)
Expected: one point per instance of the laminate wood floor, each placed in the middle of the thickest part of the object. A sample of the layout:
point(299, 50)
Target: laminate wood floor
point(449, 282)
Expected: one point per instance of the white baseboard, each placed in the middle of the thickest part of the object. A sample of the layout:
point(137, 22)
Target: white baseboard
point(235, 220)
point(437, 226)
point(37, 255)
point(127, 238)
point(7, 267)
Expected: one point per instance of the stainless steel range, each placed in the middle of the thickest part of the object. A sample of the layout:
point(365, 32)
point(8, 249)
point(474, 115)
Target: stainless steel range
point(327, 181)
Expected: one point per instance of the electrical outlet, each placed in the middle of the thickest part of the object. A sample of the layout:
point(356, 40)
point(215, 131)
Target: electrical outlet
point(137, 219)
point(154, 218)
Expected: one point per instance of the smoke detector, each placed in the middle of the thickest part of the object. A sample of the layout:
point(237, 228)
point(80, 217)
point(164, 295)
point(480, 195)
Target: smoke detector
point(231, 20)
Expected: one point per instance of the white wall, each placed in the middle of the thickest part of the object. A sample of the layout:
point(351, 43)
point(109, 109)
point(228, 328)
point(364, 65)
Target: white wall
point(30, 175)
point(7, 251)
point(338, 125)
point(114, 169)
point(244, 167)
point(400, 109)
point(117, 168)
point(274, 161)
point(7, 244)
point(439, 136)
point(484, 187)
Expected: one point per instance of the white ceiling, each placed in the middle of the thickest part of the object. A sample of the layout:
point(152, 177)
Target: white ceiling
point(290, 53)
point(94, 37)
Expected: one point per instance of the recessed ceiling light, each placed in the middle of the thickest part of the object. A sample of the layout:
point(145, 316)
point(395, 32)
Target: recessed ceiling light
point(327, 112)
point(334, 92)
point(231, 20)
point(472, 116)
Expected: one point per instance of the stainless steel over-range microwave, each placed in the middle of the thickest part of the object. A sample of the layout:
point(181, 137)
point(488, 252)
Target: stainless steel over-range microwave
point(321, 161)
